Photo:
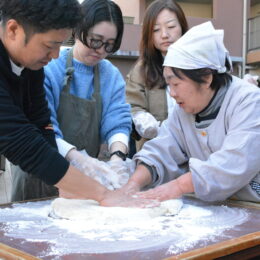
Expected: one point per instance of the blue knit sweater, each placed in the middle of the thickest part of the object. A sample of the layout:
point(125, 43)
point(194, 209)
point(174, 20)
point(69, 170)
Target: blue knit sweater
point(116, 117)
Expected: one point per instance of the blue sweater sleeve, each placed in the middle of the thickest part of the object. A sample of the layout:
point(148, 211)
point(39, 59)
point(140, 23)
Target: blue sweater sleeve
point(116, 116)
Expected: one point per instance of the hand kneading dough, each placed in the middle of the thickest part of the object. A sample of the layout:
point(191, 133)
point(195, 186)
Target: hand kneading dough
point(90, 210)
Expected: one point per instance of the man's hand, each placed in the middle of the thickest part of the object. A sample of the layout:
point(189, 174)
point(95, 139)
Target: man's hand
point(67, 195)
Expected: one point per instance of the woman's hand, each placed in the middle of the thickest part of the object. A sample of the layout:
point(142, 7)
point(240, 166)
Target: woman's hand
point(170, 190)
point(163, 192)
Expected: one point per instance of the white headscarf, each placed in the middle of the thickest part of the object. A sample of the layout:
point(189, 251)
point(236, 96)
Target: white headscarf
point(200, 47)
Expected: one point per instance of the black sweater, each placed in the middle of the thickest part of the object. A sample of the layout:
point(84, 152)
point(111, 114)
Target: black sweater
point(24, 116)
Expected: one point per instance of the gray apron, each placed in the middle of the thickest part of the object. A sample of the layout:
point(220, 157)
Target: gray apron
point(79, 119)
point(27, 187)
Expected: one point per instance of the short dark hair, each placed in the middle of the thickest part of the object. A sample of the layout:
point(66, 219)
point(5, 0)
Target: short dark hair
point(197, 75)
point(39, 16)
point(96, 11)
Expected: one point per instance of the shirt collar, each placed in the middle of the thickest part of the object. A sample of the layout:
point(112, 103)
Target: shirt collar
point(16, 69)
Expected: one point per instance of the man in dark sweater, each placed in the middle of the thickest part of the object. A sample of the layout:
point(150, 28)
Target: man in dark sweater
point(31, 33)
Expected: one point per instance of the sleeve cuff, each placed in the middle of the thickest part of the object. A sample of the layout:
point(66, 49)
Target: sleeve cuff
point(152, 171)
point(63, 146)
point(118, 138)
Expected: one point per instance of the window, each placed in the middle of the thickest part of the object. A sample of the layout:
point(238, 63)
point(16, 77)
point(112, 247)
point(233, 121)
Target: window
point(197, 8)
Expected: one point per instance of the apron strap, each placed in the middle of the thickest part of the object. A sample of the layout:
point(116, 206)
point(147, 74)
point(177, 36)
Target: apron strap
point(69, 72)
point(96, 94)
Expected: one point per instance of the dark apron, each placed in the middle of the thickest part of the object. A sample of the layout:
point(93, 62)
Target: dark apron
point(79, 119)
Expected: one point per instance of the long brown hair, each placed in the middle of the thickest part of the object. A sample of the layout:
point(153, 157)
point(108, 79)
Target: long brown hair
point(151, 58)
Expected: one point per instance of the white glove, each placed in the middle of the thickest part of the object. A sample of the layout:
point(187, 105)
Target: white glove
point(251, 79)
point(146, 125)
point(92, 167)
point(123, 169)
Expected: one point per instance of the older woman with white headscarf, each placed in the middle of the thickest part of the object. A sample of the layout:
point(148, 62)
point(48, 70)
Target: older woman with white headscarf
point(210, 143)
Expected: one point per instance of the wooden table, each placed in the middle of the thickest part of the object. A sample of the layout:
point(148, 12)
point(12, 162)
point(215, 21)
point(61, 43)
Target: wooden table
point(242, 244)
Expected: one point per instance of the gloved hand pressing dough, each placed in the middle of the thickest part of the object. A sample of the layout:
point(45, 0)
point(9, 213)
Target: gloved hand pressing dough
point(92, 167)
point(123, 169)
point(146, 125)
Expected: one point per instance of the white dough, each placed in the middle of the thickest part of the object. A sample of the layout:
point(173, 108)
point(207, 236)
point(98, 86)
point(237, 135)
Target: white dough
point(90, 210)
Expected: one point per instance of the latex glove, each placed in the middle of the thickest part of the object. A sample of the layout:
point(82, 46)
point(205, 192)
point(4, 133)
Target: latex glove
point(123, 169)
point(92, 167)
point(146, 125)
point(81, 159)
point(251, 79)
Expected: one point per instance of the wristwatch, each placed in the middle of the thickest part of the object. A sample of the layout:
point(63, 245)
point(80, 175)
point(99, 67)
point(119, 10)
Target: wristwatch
point(119, 154)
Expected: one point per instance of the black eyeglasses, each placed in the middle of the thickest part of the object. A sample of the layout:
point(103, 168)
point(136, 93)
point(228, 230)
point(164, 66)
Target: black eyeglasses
point(97, 44)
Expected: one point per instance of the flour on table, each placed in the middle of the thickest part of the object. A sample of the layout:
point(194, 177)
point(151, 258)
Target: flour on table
point(90, 210)
point(195, 224)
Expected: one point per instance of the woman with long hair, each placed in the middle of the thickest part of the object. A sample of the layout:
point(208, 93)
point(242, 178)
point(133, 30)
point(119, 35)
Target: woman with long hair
point(147, 92)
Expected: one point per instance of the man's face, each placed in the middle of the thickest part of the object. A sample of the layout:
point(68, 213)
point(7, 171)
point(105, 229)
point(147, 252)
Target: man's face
point(38, 50)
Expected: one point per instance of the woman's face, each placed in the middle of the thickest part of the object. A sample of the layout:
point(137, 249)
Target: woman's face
point(191, 96)
point(166, 31)
point(104, 31)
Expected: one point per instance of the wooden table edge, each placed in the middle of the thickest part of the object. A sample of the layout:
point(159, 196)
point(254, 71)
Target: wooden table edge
point(222, 248)
point(10, 253)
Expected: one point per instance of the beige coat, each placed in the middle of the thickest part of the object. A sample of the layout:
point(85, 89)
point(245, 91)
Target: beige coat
point(141, 98)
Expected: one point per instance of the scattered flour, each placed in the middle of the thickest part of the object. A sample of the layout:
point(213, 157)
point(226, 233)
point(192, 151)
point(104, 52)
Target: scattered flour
point(176, 234)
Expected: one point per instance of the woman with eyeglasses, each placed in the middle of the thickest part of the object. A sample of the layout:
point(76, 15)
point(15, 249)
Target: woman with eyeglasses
point(86, 93)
